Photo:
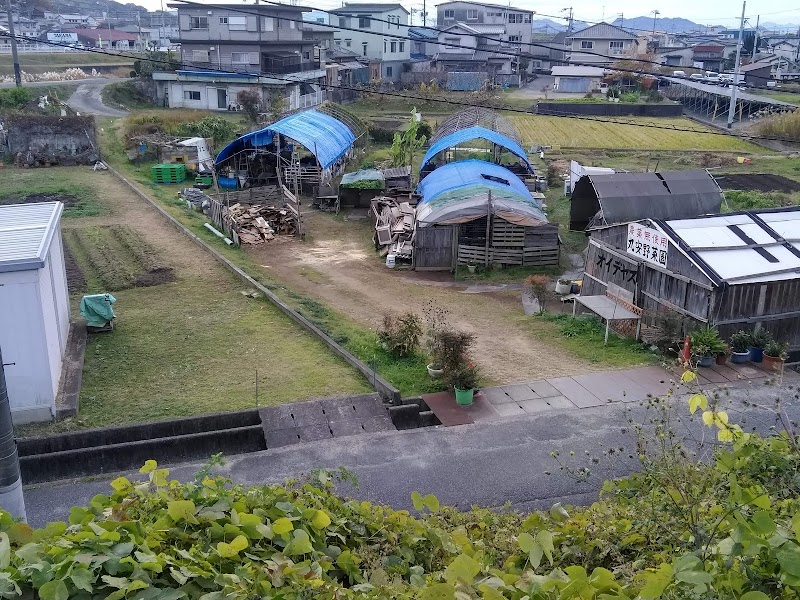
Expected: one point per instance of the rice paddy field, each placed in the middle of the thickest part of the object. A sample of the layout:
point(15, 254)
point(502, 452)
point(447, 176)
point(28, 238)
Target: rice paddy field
point(562, 132)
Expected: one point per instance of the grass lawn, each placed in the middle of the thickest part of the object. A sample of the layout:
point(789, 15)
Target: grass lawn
point(19, 184)
point(782, 96)
point(563, 132)
point(191, 346)
point(39, 62)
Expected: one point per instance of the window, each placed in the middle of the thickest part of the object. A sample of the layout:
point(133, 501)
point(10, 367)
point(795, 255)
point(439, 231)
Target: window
point(343, 22)
point(452, 42)
point(191, 95)
point(348, 43)
point(199, 56)
point(616, 47)
point(198, 22)
point(363, 21)
point(240, 58)
point(388, 71)
point(364, 48)
point(449, 14)
point(402, 46)
point(237, 23)
point(223, 20)
point(515, 38)
point(514, 18)
point(269, 24)
point(307, 55)
point(394, 47)
point(586, 45)
point(472, 14)
point(527, 18)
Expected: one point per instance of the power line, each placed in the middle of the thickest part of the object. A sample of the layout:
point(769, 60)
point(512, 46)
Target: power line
point(439, 100)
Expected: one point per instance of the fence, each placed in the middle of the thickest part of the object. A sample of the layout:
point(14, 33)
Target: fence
point(312, 99)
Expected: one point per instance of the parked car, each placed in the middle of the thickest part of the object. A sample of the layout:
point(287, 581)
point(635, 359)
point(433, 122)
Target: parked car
point(696, 77)
point(679, 73)
point(711, 77)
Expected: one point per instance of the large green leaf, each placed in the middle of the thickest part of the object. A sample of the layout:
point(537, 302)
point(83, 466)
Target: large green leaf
point(82, 578)
point(181, 510)
point(238, 544)
point(463, 568)
point(656, 582)
point(5, 551)
point(54, 590)
point(789, 558)
point(282, 526)
point(525, 541)
point(417, 500)
point(320, 520)
point(754, 595)
point(300, 544)
point(545, 539)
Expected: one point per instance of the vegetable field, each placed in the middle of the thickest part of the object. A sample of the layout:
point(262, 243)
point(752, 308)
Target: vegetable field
point(561, 132)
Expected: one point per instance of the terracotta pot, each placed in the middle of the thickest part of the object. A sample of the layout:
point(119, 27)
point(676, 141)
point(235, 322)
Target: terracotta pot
point(773, 363)
point(722, 359)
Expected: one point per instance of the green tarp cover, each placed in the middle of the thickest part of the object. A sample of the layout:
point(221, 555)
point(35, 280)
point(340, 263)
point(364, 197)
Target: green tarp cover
point(97, 310)
point(364, 174)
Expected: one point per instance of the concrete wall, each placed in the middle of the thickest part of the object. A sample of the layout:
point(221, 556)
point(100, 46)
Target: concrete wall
point(264, 28)
point(375, 35)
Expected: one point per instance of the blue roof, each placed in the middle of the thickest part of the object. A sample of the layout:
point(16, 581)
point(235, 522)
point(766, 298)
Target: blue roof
point(325, 137)
point(471, 133)
point(459, 192)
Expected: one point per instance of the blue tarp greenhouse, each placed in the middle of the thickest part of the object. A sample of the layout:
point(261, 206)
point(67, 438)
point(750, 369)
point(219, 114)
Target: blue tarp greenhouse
point(327, 138)
point(460, 192)
point(472, 133)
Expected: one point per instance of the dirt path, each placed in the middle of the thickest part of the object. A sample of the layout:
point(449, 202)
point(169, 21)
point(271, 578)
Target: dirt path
point(88, 100)
point(337, 266)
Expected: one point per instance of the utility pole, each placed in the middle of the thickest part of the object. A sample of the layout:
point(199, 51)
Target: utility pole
point(621, 20)
point(732, 108)
point(11, 498)
point(14, 54)
point(108, 22)
point(655, 16)
point(569, 23)
point(755, 41)
point(424, 13)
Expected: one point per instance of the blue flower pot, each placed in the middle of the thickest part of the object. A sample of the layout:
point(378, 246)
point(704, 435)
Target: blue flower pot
point(756, 354)
point(740, 357)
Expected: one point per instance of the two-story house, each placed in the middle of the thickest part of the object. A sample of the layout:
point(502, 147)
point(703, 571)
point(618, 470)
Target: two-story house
point(227, 48)
point(477, 36)
point(600, 45)
point(710, 57)
point(376, 32)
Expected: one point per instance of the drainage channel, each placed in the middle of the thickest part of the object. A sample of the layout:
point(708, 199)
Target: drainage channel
point(412, 413)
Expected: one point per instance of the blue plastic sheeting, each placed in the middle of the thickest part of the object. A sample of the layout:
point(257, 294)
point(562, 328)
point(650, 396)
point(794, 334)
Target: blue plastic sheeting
point(459, 192)
point(472, 133)
point(325, 137)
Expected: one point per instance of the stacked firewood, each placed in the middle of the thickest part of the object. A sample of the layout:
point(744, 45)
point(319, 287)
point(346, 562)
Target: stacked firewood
point(259, 223)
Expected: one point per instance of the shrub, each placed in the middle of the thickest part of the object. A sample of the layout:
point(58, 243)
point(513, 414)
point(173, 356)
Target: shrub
point(381, 134)
point(424, 130)
point(760, 338)
point(631, 97)
point(538, 286)
point(15, 98)
point(400, 334)
point(251, 103)
point(776, 349)
point(786, 126)
point(741, 341)
point(706, 342)
point(467, 377)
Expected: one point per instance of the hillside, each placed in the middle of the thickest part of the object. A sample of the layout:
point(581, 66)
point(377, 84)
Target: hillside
point(93, 7)
point(676, 25)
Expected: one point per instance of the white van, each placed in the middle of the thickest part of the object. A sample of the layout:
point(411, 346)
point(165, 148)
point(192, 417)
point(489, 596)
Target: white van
point(696, 77)
point(679, 73)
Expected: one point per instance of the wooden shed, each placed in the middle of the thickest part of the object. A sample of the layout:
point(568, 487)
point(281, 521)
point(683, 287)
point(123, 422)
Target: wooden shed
point(474, 212)
point(734, 271)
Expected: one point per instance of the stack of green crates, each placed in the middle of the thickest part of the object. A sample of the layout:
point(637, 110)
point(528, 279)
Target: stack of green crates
point(167, 173)
point(204, 180)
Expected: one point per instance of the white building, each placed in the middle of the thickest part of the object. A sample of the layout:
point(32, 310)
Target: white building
point(371, 30)
point(34, 307)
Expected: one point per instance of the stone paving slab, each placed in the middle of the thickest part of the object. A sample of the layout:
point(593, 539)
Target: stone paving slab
point(481, 409)
point(576, 393)
point(654, 381)
point(509, 410)
point(612, 386)
point(712, 376)
point(520, 392)
point(747, 371)
point(544, 388)
point(443, 405)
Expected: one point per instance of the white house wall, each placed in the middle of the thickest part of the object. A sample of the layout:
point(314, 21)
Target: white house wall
point(24, 342)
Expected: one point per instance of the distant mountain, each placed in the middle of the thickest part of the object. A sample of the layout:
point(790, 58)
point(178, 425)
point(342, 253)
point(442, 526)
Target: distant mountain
point(550, 26)
point(675, 25)
point(83, 7)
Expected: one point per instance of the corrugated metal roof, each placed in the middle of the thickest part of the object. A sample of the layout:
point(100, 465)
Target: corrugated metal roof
point(488, 28)
point(625, 197)
point(748, 247)
point(26, 231)
point(603, 31)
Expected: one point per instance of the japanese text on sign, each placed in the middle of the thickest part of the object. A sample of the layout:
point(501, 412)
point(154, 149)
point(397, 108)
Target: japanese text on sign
point(648, 244)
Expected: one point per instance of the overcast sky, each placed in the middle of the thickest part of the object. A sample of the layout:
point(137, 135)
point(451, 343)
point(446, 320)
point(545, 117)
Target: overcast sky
point(709, 12)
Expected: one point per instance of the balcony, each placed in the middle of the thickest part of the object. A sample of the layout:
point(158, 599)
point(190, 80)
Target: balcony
point(278, 67)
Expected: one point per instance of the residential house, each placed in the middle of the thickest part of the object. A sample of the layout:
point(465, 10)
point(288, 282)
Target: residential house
point(601, 45)
point(425, 42)
point(516, 22)
point(23, 26)
point(577, 79)
point(710, 57)
point(72, 20)
point(675, 57)
point(108, 39)
point(785, 48)
point(558, 48)
point(757, 74)
point(377, 32)
point(259, 47)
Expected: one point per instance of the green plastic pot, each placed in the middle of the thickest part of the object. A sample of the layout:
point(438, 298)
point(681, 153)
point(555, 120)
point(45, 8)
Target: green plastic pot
point(464, 397)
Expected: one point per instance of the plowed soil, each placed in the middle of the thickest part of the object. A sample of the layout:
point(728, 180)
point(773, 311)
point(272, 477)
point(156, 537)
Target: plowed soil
point(757, 183)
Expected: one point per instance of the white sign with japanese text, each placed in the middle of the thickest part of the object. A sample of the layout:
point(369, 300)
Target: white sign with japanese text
point(648, 244)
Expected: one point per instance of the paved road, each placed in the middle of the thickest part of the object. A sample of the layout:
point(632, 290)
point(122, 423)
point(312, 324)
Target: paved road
point(87, 100)
point(487, 464)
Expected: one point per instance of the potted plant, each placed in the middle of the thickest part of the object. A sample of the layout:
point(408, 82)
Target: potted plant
point(722, 355)
point(437, 321)
point(774, 355)
point(563, 286)
point(740, 347)
point(758, 341)
point(471, 268)
point(464, 381)
point(705, 345)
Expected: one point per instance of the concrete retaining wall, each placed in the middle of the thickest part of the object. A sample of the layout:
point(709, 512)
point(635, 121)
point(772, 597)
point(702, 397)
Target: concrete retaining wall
point(609, 109)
